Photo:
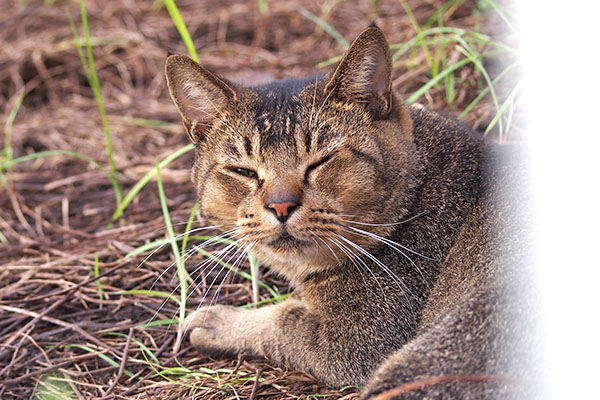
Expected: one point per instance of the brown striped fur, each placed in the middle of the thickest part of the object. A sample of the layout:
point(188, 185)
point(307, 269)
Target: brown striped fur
point(340, 153)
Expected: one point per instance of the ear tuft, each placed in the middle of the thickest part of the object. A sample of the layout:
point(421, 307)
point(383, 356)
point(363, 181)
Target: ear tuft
point(200, 96)
point(364, 74)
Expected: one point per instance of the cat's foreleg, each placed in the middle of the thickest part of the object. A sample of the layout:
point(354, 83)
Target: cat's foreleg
point(287, 333)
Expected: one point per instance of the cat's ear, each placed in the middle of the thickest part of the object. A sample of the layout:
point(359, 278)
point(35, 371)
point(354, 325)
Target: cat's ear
point(200, 96)
point(364, 74)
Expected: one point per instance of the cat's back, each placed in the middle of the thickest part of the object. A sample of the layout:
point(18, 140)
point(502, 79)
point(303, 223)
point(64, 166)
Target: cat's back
point(477, 315)
point(492, 240)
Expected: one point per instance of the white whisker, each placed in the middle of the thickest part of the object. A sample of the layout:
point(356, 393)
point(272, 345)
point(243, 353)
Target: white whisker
point(393, 245)
point(193, 250)
point(337, 259)
point(217, 259)
point(353, 258)
point(371, 224)
point(233, 268)
point(211, 258)
point(243, 252)
point(224, 264)
point(214, 258)
point(167, 241)
point(403, 288)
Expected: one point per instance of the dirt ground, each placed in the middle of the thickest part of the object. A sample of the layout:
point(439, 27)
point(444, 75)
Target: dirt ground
point(55, 325)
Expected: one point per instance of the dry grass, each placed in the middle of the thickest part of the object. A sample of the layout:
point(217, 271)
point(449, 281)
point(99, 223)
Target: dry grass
point(54, 211)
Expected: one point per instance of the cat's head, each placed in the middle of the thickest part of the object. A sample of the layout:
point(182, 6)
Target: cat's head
point(303, 171)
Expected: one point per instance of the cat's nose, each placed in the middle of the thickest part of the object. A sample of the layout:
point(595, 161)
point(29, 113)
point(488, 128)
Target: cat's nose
point(282, 197)
point(283, 209)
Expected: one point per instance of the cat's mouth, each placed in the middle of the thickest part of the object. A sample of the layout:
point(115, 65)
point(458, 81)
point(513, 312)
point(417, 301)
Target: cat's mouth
point(287, 241)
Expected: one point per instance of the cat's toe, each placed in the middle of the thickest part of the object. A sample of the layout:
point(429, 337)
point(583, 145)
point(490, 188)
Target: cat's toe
point(195, 319)
point(208, 330)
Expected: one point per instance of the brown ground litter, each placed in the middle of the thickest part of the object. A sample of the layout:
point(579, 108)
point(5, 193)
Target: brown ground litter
point(54, 211)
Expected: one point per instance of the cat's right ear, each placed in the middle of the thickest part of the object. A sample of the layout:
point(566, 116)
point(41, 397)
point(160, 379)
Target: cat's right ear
point(200, 96)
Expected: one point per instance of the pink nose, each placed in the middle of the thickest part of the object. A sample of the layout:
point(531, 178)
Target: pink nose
point(282, 209)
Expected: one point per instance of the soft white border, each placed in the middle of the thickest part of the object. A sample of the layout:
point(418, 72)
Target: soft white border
point(560, 45)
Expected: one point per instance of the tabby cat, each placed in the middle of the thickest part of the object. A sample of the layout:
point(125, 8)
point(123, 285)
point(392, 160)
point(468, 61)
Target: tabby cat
point(395, 226)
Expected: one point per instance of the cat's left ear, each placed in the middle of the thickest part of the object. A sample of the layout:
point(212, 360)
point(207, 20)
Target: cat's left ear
point(364, 74)
point(200, 96)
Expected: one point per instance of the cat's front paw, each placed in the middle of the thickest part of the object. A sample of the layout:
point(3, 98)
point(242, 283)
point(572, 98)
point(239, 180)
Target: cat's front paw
point(213, 330)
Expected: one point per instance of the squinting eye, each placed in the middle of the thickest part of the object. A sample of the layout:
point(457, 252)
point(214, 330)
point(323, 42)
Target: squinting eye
point(243, 171)
point(316, 165)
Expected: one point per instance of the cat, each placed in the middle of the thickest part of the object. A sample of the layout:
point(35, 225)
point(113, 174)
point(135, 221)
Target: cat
point(397, 228)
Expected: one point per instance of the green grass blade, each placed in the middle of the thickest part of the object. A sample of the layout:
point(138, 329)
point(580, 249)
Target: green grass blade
point(101, 356)
point(188, 227)
point(438, 57)
point(500, 13)
point(95, 83)
point(49, 153)
point(159, 322)
point(485, 91)
point(263, 7)
point(419, 40)
point(504, 105)
point(161, 374)
point(8, 152)
point(181, 271)
point(438, 13)
point(142, 345)
point(77, 40)
point(505, 47)
point(326, 27)
point(467, 52)
point(181, 28)
point(145, 349)
point(148, 122)
point(420, 36)
point(97, 274)
point(146, 178)
point(146, 247)
point(447, 35)
point(423, 89)
point(330, 61)
point(180, 371)
point(449, 83)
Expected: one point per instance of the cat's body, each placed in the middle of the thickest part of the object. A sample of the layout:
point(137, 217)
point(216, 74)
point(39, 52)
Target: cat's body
point(392, 224)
